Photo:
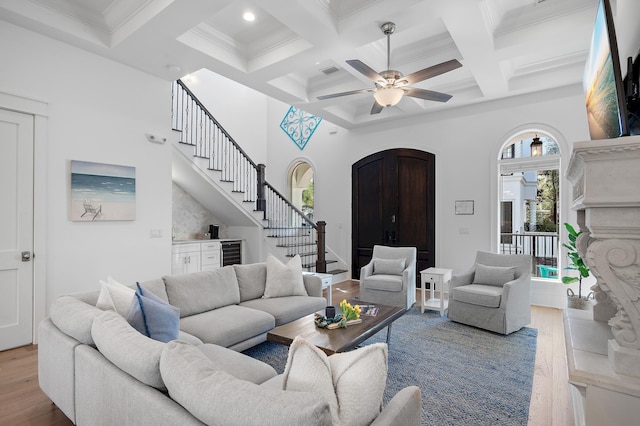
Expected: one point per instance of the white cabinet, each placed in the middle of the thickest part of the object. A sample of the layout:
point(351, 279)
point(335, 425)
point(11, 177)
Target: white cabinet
point(210, 255)
point(195, 257)
point(185, 258)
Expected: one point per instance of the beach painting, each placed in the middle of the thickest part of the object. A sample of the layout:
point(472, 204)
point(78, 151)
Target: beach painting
point(101, 192)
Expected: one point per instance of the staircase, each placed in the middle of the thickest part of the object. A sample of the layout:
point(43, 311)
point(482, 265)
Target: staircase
point(290, 231)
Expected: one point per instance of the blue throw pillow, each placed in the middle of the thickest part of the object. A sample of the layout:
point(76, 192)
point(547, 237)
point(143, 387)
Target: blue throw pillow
point(154, 317)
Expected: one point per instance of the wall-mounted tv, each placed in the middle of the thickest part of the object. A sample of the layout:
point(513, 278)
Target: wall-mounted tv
point(632, 92)
point(604, 91)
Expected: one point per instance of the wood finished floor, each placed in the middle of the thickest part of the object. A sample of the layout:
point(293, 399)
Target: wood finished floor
point(23, 403)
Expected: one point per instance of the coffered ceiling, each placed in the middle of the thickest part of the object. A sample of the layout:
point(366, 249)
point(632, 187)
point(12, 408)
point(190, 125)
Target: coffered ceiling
point(295, 50)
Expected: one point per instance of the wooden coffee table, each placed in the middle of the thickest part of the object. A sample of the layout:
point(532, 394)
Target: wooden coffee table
point(339, 339)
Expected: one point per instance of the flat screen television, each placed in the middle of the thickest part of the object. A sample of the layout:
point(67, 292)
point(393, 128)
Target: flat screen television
point(632, 92)
point(604, 91)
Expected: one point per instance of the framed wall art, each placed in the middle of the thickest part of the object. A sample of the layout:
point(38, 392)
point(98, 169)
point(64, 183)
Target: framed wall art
point(102, 192)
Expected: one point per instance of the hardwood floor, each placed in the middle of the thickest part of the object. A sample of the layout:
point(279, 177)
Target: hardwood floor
point(23, 403)
point(21, 400)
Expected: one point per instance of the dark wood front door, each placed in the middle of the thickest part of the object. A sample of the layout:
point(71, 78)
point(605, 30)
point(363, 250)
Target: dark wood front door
point(393, 204)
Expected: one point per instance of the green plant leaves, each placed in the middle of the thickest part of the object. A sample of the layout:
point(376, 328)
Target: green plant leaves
point(572, 251)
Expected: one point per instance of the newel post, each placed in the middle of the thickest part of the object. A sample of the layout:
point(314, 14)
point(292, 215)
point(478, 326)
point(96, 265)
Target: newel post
point(261, 201)
point(321, 263)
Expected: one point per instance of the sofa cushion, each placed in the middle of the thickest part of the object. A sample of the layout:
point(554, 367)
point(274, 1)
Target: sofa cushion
point(284, 280)
point(189, 338)
point(388, 266)
point(74, 317)
point(383, 282)
point(127, 349)
point(216, 397)
point(478, 294)
point(237, 364)
point(228, 325)
point(287, 309)
point(493, 275)
point(252, 278)
point(153, 317)
point(353, 382)
point(202, 291)
point(115, 296)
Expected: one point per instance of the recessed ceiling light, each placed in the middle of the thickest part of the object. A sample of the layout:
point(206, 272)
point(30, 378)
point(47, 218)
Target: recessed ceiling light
point(249, 17)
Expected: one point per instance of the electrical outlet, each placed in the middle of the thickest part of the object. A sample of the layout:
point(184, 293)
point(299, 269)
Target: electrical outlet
point(155, 233)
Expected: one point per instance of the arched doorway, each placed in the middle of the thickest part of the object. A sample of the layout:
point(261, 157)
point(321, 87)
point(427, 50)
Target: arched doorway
point(393, 204)
point(529, 200)
point(301, 191)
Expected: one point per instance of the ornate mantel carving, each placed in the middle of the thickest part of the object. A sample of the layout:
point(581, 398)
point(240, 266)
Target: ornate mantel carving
point(615, 263)
point(606, 177)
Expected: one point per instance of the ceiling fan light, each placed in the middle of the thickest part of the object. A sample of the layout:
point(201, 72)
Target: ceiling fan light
point(388, 96)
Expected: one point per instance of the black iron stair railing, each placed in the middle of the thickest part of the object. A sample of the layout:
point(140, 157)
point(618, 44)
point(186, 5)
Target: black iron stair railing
point(295, 231)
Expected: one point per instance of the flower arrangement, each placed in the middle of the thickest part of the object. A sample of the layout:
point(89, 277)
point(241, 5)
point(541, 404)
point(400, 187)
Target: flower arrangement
point(348, 315)
point(349, 312)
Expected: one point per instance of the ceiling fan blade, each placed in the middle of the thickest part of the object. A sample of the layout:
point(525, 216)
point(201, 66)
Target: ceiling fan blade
point(428, 95)
point(336, 95)
point(376, 108)
point(432, 71)
point(367, 70)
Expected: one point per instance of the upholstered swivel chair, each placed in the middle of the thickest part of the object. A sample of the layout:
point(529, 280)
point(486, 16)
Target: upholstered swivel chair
point(494, 294)
point(390, 277)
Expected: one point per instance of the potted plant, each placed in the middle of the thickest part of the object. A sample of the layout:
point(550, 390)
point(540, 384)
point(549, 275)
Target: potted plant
point(576, 301)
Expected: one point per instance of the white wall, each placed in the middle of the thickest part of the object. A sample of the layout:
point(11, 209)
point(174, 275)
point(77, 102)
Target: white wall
point(241, 111)
point(466, 142)
point(189, 217)
point(97, 111)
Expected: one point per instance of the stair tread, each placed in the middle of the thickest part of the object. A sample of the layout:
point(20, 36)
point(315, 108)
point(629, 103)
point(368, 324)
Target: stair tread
point(310, 265)
point(307, 253)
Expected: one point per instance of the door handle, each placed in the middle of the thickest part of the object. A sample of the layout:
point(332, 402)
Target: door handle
point(26, 256)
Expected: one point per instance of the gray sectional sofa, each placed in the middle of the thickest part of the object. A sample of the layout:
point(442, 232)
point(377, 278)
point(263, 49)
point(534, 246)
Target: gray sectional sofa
point(100, 371)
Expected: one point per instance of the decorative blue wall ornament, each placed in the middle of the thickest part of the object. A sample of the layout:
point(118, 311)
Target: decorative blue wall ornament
point(299, 126)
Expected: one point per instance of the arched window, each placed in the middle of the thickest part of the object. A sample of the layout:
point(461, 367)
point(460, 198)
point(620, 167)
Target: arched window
point(529, 197)
point(301, 187)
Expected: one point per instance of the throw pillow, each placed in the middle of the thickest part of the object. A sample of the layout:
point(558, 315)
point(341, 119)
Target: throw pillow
point(115, 297)
point(153, 317)
point(284, 280)
point(216, 397)
point(493, 275)
point(338, 379)
point(388, 266)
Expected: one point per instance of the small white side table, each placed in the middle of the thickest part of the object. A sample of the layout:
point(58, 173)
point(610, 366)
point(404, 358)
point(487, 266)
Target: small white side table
point(327, 281)
point(441, 278)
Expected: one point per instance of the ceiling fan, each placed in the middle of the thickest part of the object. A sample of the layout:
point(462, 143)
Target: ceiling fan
point(391, 86)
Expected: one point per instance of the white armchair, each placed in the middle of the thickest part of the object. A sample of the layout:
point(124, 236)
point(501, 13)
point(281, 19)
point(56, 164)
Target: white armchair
point(390, 277)
point(494, 294)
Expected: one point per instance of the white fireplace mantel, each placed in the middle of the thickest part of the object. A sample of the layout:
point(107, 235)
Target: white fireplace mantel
point(603, 348)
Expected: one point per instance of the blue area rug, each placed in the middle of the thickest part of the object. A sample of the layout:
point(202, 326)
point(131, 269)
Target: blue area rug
point(467, 376)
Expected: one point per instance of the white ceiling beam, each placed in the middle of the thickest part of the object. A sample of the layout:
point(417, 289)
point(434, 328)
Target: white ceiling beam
point(466, 23)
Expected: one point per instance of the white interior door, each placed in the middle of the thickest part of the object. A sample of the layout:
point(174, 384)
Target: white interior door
point(16, 229)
